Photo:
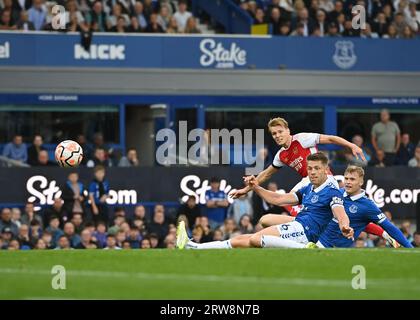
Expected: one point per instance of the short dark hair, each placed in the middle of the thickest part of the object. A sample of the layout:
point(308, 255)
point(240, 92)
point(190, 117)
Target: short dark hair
point(318, 156)
point(214, 179)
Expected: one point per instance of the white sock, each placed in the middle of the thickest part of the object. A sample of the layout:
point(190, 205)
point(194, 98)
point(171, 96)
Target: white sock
point(277, 242)
point(210, 245)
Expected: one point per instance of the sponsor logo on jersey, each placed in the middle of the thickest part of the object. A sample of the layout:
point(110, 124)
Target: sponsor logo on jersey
point(353, 208)
point(314, 199)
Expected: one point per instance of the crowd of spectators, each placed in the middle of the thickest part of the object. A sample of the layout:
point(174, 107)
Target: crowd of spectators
point(321, 18)
point(95, 153)
point(120, 16)
point(328, 18)
point(81, 219)
point(388, 147)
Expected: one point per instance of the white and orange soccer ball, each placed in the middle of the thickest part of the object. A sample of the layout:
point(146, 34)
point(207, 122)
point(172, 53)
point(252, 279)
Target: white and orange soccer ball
point(68, 153)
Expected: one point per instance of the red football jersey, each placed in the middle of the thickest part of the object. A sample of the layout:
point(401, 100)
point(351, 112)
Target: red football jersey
point(302, 145)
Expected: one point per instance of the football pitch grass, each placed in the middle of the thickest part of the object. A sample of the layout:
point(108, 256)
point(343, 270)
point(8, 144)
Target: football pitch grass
point(211, 274)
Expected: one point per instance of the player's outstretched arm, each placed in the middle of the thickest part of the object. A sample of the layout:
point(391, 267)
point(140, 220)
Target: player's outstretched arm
point(261, 177)
point(329, 139)
point(394, 232)
point(343, 221)
point(270, 196)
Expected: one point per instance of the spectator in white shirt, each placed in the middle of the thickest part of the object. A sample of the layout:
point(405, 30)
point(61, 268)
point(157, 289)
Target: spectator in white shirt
point(182, 15)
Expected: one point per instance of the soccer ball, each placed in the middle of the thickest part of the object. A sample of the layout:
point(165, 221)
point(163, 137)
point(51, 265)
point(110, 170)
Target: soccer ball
point(68, 154)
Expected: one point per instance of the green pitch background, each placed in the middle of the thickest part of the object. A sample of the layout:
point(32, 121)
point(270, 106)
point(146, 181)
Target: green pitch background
point(211, 274)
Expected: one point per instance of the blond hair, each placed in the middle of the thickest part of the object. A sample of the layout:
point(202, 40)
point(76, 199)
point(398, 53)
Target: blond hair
point(277, 122)
point(357, 169)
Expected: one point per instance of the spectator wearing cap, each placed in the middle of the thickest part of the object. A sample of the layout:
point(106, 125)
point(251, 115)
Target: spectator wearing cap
point(386, 137)
point(16, 150)
point(415, 161)
point(216, 203)
point(6, 221)
point(6, 237)
point(182, 15)
point(405, 151)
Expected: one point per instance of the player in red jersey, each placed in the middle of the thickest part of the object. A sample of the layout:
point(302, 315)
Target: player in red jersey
point(294, 149)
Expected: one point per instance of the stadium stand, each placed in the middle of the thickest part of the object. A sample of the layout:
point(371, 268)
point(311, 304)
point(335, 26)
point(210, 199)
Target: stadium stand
point(317, 18)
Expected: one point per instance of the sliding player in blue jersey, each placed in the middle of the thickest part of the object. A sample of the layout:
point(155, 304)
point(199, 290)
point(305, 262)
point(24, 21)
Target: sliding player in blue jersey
point(321, 200)
point(361, 211)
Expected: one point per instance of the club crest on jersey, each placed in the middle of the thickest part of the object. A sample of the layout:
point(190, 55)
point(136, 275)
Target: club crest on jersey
point(295, 150)
point(353, 208)
point(314, 199)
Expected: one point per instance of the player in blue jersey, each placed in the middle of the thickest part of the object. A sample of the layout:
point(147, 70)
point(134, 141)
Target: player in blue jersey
point(321, 202)
point(361, 211)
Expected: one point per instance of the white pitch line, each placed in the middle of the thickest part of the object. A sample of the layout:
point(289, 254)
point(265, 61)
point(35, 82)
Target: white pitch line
point(220, 278)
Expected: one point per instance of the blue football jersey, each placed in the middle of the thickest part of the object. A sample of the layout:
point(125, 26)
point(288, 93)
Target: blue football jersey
point(361, 211)
point(317, 204)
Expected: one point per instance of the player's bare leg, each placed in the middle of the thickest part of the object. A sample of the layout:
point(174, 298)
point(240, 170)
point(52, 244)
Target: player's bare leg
point(272, 219)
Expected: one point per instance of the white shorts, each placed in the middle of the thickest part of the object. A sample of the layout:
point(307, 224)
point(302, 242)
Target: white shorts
point(305, 181)
point(292, 231)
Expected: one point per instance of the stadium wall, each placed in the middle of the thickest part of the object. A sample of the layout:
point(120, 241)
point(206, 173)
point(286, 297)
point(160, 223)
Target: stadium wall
point(396, 189)
point(218, 65)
